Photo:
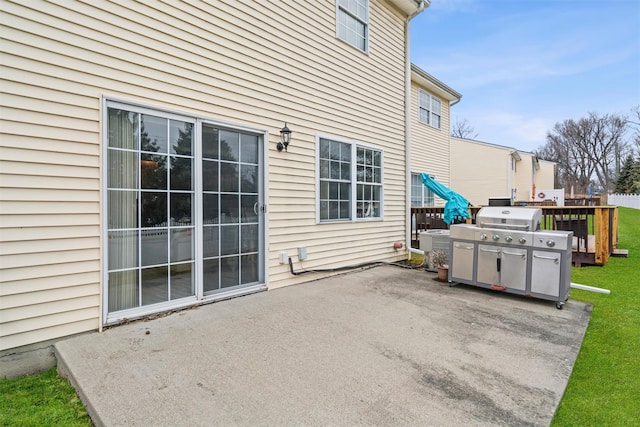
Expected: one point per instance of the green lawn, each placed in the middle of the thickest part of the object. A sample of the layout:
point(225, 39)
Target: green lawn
point(41, 400)
point(604, 389)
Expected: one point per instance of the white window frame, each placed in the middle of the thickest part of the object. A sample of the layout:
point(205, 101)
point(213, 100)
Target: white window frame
point(354, 11)
point(427, 106)
point(427, 198)
point(354, 145)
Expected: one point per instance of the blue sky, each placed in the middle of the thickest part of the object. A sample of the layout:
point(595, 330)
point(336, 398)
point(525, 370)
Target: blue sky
point(524, 65)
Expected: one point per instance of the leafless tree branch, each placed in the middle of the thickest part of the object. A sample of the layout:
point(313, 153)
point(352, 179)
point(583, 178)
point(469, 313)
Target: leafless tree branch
point(462, 129)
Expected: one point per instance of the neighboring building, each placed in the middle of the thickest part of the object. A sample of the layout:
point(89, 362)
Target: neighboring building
point(139, 164)
point(539, 183)
point(480, 171)
point(431, 102)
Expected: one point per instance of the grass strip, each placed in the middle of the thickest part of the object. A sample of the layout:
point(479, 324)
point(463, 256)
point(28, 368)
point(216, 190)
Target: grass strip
point(41, 400)
point(605, 383)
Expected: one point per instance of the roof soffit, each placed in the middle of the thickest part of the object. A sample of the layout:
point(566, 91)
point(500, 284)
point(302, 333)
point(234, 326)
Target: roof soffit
point(432, 87)
point(408, 7)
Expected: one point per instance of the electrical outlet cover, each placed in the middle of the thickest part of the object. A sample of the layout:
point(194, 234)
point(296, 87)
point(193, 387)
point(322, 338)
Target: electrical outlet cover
point(284, 258)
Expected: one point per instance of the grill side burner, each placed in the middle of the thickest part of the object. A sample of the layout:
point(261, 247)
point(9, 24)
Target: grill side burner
point(506, 251)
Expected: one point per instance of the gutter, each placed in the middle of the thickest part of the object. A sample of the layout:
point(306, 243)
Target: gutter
point(407, 119)
point(442, 90)
point(423, 4)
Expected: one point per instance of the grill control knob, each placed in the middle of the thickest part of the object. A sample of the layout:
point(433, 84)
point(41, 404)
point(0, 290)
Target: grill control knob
point(508, 239)
point(495, 237)
point(483, 236)
point(551, 243)
point(522, 240)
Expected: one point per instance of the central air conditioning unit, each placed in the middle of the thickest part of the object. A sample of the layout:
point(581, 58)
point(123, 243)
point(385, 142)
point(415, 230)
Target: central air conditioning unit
point(431, 240)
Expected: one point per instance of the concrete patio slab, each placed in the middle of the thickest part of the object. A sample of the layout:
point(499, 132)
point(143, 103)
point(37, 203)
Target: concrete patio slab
point(382, 346)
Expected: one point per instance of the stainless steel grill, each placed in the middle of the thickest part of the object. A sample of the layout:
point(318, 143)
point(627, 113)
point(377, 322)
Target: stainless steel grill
point(506, 251)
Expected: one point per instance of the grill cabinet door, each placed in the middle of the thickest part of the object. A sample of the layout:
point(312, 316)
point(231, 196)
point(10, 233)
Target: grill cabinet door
point(488, 264)
point(462, 261)
point(545, 273)
point(514, 268)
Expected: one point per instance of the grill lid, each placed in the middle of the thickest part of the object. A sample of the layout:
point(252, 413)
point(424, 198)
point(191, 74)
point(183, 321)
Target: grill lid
point(509, 217)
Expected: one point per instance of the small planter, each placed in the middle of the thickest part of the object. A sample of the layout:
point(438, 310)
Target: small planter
point(443, 273)
point(439, 260)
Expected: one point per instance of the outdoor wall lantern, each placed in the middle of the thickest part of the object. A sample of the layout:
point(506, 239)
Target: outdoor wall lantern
point(285, 138)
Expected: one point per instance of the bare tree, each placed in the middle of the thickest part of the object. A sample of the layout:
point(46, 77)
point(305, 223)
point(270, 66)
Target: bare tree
point(462, 129)
point(634, 124)
point(587, 149)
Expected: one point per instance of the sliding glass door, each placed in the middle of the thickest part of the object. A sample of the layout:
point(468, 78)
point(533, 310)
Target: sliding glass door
point(183, 209)
point(230, 208)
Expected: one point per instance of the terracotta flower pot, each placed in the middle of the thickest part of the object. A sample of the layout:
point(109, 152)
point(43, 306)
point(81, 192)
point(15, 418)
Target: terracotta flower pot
point(443, 273)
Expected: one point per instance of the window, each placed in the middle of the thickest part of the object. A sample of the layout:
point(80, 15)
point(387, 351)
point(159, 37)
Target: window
point(352, 22)
point(369, 182)
point(420, 195)
point(429, 109)
point(350, 181)
point(335, 180)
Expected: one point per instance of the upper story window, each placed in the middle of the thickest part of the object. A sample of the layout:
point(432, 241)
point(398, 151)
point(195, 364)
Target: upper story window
point(350, 181)
point(352, 22)
point(429, 109)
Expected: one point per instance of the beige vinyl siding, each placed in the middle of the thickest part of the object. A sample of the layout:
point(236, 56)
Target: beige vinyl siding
point(430, 145)
point(49, 222)
point(226, 60)
point(480, 171)
point(52, 327)
point(524, 177)
point(545, 176)
point(528, 176)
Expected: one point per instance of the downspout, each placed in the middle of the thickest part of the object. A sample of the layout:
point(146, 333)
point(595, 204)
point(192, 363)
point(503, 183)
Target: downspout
point(407, 120)
point(451, 104)
point(510, 174)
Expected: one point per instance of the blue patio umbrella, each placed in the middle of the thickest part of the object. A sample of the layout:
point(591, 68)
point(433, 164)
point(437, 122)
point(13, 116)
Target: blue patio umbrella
point(457, 207)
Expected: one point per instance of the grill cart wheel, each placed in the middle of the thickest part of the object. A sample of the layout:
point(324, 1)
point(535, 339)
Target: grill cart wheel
point(559, 305)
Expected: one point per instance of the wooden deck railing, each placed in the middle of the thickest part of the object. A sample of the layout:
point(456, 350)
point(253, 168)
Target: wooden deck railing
point(538, 204)
point(582, 201)
point(595, 228)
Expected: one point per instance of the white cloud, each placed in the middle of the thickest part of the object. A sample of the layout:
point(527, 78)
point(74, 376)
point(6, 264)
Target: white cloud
point(523, 66)
point(485, 63)
point(518, 47)
point(509, 129)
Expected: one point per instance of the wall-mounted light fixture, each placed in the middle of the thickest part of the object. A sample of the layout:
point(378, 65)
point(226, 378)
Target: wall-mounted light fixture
point(285, 138)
